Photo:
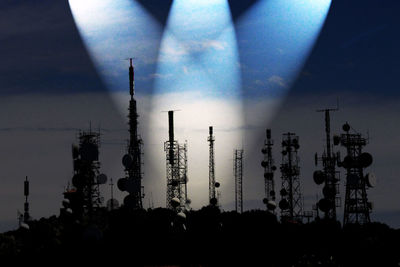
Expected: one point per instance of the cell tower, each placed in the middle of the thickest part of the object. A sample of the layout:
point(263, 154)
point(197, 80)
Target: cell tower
point(269, 168)
point(238, 172)
point(85, 197)
point(356, 207)
point(328, 175)
point(132, 161)
point(26, 204)
point(176, 169)
point(212, 184)
point(291, 201)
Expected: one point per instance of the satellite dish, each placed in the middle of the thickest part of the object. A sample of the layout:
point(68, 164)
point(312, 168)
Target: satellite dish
point(348, 162)
point(269, 176)
point(346, 127)
point(273, 168)
point(89, 152)
point(283, 204)
point(175, 202)
point(129, 201)
point(122, 184)
point(127, 161)
point(271, 205)
point(365, 160)
point(101, 178)
point(264, 151)
point(213, 201)
point(217, 184)
point(319, 177)
point(69, 211)
point(370, 178)
point(112, 204)
point(24, 226)
point(265, 201)
point(181, 215)
point(325, 205)
point(264, 163)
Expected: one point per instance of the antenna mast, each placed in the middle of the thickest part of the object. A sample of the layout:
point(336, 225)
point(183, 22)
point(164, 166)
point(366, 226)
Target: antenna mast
point(238, 173)
point(269, 168)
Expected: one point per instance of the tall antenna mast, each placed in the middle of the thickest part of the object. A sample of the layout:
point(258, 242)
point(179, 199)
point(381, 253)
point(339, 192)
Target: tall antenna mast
point(238, 173)
point(329, 175)
point(132, 161)
point(212, 184)
point(26, 204)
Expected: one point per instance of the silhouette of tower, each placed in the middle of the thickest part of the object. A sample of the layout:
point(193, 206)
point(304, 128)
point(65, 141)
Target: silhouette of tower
point(269, 168)
point(238, 172)
point(132, 161)
point(212, 184)
point(85, 197)
point(291, 201)
point(356, 207)
point(176, 169)
point(328, 175)
point(26, 204)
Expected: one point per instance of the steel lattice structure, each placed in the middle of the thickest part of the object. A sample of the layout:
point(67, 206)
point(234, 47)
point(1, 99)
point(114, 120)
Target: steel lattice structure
point(212, 196)
point(291, 201)
point(176, 165)
point(356, 208)
point(269, 168)
point(238, 173)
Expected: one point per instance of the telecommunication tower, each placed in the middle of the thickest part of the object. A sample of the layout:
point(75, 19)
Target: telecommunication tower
point(176, 155)
point(85, 197)
point(212, 184)
point(357, 208)
point(291, 201)
point(328, 175)
point(238, 173)
point(132, 161)
point(26, 204)
point(269, 168)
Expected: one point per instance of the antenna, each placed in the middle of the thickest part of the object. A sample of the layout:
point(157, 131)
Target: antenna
point(26, 205)
point(238, 174)
point(269, 169)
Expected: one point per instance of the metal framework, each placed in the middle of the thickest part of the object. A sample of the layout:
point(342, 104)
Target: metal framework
point(356, 208)
point(329, 175)
point(238, 173)
point(291, 201)
point(176, 165)
point(269, 168)
point(212, 196)
point(132, 161)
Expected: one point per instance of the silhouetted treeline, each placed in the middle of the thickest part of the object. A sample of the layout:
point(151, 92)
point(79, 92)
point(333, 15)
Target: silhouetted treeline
point(206, 237)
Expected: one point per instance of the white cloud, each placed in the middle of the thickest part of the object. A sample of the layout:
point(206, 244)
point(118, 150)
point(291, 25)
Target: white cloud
point(278, 80)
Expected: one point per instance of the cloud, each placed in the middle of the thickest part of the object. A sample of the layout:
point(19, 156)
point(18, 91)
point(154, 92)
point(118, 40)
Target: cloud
point(278, 80)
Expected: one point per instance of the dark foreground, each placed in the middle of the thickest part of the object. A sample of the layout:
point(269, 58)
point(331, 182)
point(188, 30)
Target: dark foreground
point(211, 238)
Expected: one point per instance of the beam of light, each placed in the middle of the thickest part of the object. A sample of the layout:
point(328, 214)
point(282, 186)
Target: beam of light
point(114, 30)
point(198, 72)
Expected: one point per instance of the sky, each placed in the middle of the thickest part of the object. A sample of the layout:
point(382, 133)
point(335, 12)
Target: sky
point(241, 66)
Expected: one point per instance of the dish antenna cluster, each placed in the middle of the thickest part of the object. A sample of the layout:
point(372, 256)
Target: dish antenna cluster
point(328, 175)
point(269, 169)
point(357, 208)
point(132, 160)
point(85, 197)
point(291, 201)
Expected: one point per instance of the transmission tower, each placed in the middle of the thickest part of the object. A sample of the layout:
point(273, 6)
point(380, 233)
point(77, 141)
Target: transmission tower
point(132, 161)
point(212, 184)
point(328, 175)
point(291, 201)
point(356, 207)
point(176, 169)
point(269, 168)
point(238, 172)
